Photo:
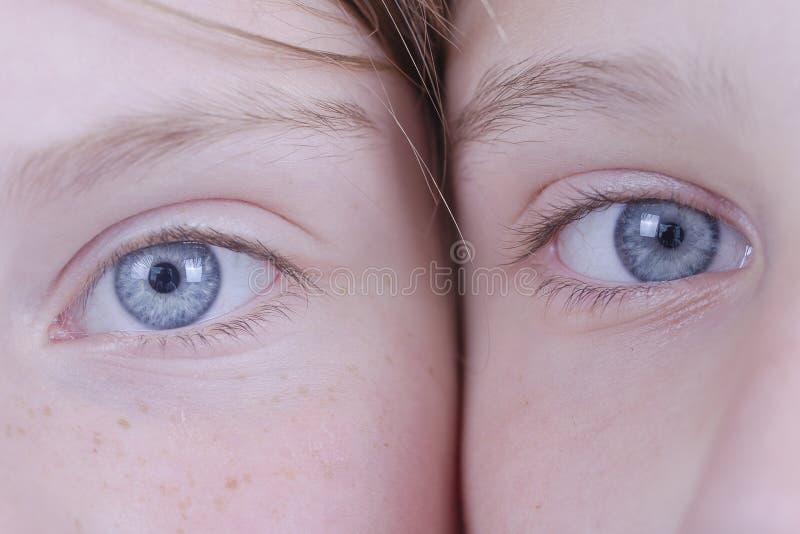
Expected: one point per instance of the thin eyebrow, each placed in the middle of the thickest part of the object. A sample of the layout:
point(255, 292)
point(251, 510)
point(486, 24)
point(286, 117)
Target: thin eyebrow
point(140, 140)
point(537, 91)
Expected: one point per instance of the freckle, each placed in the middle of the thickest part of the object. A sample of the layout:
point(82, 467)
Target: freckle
point(286, 473)
point(430, 370)
point(124, 423)
point(21, 431)
point(303, 391)
point(31, 413)
point(46, 411)
point(232, 484)
point(276, 399)
point(246, 477)
point(218, 503)
point(538, 506)
point(183, 505)
point(386, 444)
point(144, 408)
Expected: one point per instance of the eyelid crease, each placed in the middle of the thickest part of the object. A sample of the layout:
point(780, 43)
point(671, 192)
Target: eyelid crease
point(209, 236)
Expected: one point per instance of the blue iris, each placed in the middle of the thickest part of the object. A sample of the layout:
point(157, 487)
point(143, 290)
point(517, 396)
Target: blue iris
point(169, 285)
point(659, 240)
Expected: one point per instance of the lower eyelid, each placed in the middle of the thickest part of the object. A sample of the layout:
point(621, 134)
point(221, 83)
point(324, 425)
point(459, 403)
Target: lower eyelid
point(248, 328)
point(599, 306)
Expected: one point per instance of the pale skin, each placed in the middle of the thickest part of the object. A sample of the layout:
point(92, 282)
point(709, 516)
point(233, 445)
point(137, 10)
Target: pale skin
point(668, 410)
point(674, 413)
point(341, 413)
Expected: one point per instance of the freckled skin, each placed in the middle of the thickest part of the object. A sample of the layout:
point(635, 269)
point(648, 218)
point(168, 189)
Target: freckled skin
point(304, 426)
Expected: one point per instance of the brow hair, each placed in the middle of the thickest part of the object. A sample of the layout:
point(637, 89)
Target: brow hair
point(142, 139)
point(411, 32)
point(537, 91)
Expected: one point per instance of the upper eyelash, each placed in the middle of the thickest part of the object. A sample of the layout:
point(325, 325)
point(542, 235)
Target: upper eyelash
point(534, 236)
point(244, 324)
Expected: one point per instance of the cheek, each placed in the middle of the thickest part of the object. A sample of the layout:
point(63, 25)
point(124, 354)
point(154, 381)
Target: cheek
point(584, 423)
point(330, 444)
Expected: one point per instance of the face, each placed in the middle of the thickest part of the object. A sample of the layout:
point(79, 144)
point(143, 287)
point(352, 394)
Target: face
point(636, 162)
point(192, 341)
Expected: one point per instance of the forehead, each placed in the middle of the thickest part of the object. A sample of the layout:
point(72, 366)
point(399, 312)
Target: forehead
point(752, 42)
point(71, 63)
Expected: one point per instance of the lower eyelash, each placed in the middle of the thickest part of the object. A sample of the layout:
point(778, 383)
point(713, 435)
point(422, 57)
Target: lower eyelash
point(581, 296)
point(235, 328)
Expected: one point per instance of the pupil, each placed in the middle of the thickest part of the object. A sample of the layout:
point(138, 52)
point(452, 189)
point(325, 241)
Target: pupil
point(164, 277)
point(670, 235)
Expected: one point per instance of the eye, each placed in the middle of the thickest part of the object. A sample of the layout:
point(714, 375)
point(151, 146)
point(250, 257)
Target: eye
point(174, 284)
point(650, 240)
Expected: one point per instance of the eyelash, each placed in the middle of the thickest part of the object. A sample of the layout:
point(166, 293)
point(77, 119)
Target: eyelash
point(299, 286)
point(580, 295)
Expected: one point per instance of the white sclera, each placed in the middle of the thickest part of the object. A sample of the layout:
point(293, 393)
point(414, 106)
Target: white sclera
point(587, 247)
point(238, 272)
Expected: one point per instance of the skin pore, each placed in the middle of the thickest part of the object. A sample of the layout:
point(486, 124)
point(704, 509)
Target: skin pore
point(597, 404)
point(124, 127)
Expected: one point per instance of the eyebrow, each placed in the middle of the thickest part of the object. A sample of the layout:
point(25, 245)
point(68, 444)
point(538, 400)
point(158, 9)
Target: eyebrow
point(538, 91)
point(141, 140)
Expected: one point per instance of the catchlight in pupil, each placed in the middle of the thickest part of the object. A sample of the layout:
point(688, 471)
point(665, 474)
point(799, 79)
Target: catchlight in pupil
point(670, 235)
point(164, 277)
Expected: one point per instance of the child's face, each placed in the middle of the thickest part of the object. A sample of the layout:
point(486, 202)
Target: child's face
point(280, 412)
point(651, 383)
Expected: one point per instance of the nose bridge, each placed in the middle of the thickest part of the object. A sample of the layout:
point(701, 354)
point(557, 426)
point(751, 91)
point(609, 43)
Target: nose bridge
point(751, 481)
